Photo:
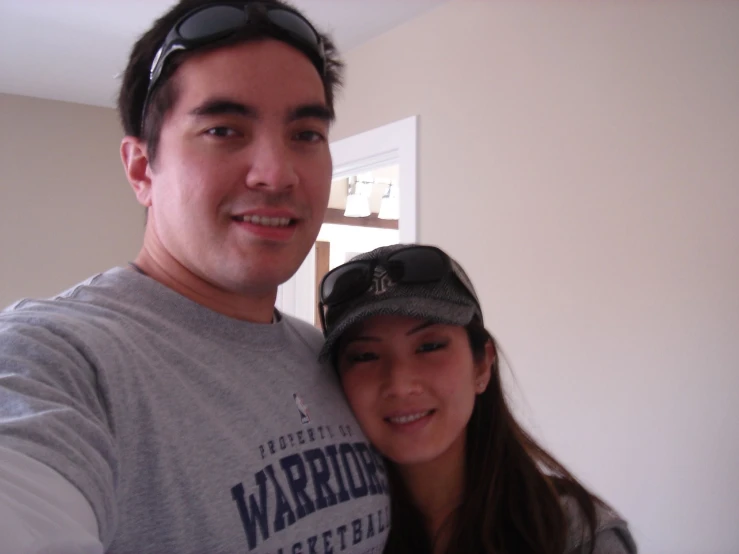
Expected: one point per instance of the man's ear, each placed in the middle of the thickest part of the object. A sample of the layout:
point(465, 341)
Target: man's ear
point(136, 164)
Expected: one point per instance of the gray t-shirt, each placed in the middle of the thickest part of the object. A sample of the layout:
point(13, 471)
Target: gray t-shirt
point(186, 430)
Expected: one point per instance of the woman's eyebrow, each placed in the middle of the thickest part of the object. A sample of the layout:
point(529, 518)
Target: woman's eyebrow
point(420, 327)
point(362, 338)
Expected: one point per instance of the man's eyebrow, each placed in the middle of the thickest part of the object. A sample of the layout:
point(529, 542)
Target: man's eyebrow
point(222, 106)
point(310, 111)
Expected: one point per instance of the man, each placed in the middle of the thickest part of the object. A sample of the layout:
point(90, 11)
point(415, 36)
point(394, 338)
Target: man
point(166, 406)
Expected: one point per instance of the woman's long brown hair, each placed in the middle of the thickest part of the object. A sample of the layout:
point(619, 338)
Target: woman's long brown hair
point(511, 502)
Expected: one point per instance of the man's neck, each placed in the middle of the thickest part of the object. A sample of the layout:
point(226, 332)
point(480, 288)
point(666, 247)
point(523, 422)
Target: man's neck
point(253, 308)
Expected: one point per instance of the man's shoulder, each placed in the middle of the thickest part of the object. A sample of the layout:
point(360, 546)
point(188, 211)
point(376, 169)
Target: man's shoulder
point(85, 304)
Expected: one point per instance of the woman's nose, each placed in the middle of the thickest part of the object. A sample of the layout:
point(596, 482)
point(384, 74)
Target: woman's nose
point(400, 379)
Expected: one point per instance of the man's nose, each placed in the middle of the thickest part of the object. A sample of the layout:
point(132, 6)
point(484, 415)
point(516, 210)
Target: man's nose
point(271, 165)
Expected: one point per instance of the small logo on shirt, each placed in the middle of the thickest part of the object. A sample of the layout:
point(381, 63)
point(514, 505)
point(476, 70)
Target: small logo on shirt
point(302, 408)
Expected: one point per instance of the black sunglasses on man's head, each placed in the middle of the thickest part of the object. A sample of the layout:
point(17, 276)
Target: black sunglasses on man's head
point(216, 22)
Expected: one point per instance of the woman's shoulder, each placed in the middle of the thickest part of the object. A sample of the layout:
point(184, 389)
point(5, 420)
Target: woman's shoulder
point(612, 534)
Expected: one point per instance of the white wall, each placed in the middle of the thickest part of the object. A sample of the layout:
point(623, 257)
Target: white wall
point(66, 209)
point(582, 161)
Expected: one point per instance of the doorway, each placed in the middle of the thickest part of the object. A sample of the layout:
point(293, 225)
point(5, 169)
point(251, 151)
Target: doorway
point(368, 165)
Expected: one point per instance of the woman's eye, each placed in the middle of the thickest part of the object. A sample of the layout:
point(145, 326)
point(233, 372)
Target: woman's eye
point(309, 136)
point(350, 360)
point(364, 357)
point(359, 357)
point(431, 346)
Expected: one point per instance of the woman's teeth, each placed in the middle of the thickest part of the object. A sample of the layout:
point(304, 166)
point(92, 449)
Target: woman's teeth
point(408, 418)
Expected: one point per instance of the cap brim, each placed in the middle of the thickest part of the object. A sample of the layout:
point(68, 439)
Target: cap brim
point(430, 309)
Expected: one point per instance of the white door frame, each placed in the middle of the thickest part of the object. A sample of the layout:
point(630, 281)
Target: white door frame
point(394, 143)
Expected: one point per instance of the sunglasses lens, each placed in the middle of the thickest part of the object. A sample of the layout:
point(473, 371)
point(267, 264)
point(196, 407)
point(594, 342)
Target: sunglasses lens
point(345, 282)
point(211, 22)
point(294, 24)
point(417, 265)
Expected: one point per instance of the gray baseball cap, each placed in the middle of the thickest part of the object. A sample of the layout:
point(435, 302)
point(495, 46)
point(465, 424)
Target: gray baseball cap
point(451, 300)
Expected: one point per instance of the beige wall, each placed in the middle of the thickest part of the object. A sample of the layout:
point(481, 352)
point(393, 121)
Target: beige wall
point(582, 161)
point(66, 209)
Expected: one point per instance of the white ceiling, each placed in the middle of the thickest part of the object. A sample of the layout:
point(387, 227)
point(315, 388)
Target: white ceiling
point(72, 50)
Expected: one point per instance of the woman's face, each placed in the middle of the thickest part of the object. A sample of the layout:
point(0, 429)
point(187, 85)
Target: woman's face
point(412, 386)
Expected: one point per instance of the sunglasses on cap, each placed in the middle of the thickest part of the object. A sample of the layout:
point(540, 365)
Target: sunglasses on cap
point(219, 21)
point(411, 265)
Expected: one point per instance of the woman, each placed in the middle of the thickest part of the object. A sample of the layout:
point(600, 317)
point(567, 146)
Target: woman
point(405, 331)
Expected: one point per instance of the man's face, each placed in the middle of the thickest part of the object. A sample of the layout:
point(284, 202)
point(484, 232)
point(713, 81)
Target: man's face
point(243, 172)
